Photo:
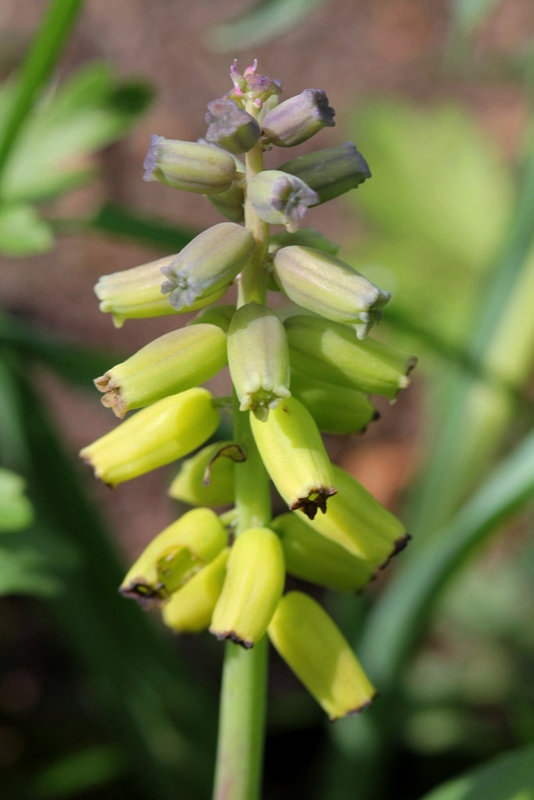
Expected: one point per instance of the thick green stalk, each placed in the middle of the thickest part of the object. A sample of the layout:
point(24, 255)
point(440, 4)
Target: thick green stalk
point(243, 691)
point(252, 286)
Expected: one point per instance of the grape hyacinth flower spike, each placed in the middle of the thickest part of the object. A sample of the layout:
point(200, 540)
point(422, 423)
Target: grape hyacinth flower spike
point(221, 567)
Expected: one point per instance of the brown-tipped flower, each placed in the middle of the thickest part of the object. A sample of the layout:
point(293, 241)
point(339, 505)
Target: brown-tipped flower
point(207, 477)
point(295, 457)
point(252, 588)
point(175, 555)
point(319, 655)
point(174, 362)
point(359, 523)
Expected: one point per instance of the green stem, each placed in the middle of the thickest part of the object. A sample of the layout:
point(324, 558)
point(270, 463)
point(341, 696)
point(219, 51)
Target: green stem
point(242, 723)
point(243, 691)
point(240, 745)
point(36, 69)
point(252, 286)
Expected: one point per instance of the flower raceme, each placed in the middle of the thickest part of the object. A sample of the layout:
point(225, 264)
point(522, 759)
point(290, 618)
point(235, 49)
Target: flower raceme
point(295, 377)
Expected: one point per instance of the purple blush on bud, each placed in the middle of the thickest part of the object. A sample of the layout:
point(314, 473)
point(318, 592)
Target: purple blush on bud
point(150, 162)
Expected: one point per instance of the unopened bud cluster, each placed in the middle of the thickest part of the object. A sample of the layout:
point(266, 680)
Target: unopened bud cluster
point(295, 380)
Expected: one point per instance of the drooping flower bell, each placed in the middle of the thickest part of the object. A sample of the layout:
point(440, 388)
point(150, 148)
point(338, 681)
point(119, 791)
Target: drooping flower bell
point(298, 118)
point(258, 358)
point(280, 198)
point(330, 172)
point(156, 435)
point(207, 264)
point(192, 166)
point(295, 457)
point(318, 653)
point(175, 555)
point(329, 287)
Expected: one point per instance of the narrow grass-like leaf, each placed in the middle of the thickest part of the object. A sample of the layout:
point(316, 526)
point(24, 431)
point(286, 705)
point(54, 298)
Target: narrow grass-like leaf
point(467, 16)
point(121, 221)
point(508, 777)
point(397, 621)
point(454, 461)
point(52, 153)
point(37, 67)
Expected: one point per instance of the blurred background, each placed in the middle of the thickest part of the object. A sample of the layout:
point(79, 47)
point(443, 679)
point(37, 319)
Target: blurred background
point(96, 699)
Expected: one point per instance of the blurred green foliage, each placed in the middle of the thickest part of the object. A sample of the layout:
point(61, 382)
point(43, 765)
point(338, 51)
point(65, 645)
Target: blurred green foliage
point(15, 508)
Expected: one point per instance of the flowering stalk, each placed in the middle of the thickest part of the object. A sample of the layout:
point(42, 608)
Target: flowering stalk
point(240, 744)
point(292, 382)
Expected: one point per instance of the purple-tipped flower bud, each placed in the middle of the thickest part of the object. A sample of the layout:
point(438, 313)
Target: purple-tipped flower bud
point(231, 127)
point(280, 199)
point(251, 86)
point(193, 166)
point(298, 118)
point(330, 172)
point(136, 293)
point(208, 263)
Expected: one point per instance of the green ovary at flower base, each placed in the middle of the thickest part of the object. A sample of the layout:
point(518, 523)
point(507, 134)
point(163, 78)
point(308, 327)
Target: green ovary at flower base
point(291, 381)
